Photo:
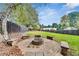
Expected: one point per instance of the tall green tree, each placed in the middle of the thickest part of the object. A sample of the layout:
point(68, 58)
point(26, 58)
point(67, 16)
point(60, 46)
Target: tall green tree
point(22, 14)
point(54, 25)
point(74, 19)
point(70, 20)
point(59, 27)
point(65, 21)
point(25, 15)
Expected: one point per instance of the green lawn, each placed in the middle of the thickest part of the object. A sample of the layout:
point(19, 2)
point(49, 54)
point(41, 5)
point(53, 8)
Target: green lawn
point(73, 40)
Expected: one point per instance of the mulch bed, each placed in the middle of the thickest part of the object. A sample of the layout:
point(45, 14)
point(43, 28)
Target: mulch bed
point(9, 50)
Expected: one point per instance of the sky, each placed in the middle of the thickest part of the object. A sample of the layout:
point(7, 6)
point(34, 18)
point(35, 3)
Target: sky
point(52, 12)
point(49, 13)
point(2, 7)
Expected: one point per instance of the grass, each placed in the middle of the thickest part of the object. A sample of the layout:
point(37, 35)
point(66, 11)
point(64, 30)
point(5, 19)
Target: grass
point(73, 40)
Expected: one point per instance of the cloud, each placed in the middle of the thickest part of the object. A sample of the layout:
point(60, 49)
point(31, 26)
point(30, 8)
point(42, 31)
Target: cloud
point(72, 5)
point(48, 15)
point(70, 11)
point(69, 7)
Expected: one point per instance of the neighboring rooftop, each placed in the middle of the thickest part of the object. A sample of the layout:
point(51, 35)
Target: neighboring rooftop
point(70, 28)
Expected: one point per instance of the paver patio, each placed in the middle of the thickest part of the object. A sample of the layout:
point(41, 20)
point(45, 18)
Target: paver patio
point(48, 48)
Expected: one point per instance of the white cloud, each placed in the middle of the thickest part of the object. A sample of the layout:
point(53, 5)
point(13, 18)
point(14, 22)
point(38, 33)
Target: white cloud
point(72, 5)
point(70, 11)
point(47, 13)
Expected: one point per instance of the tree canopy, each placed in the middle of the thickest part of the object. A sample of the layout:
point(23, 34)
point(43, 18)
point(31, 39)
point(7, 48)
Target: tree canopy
point(25, 15)
point(70, 20)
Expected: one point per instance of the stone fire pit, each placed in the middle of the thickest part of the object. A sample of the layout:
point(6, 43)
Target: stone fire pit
point(37, 40)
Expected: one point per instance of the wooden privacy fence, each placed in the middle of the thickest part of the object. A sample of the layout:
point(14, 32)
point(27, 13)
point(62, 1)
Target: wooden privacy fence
point(12, 27)
point(15, 31)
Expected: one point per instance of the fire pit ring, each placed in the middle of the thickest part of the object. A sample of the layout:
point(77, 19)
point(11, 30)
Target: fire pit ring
point(37, 40)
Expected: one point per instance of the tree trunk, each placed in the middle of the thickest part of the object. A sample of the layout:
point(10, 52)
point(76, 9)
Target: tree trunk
point(4, 28)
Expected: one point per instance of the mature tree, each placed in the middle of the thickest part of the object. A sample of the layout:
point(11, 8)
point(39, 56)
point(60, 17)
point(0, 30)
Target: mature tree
point(74, 19)
point(54, 25)
point(70, 20)
point(59, 27)
point(65, 21)
point(25, 15)
point(48, 26)
point(4, 18)
point(22, 14)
